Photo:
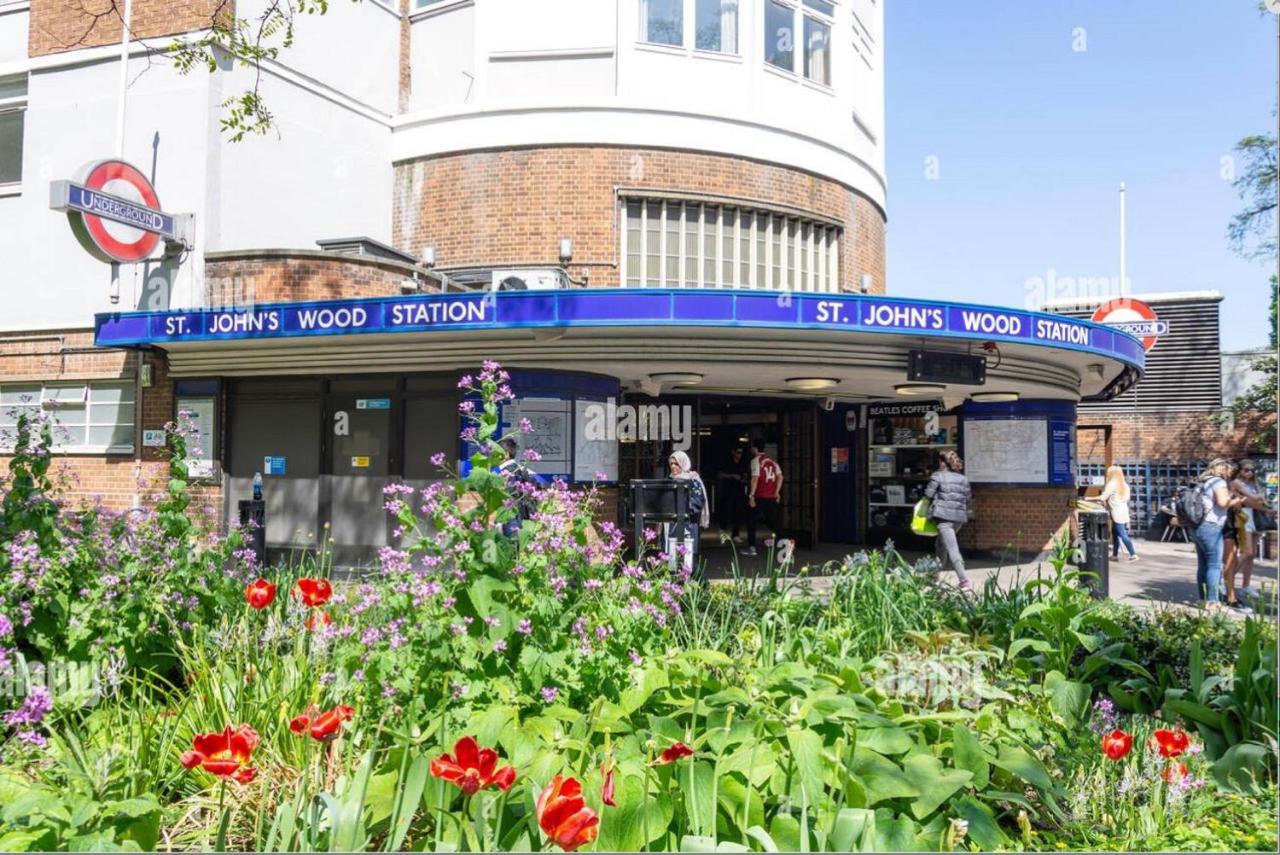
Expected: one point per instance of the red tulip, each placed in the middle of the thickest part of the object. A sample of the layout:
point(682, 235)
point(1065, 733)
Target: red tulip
point(608, 793)
point(313, 592)
point(563, 815)
point(1171, 742)
point(324, 726)
point(674, 753)
point(260, 594)
point(317, 620)
point(1174, 772)
point(224, 754)
point(1116, 744)
point(473, 768)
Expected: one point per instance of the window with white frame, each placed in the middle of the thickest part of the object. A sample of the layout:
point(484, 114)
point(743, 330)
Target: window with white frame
point(13, 108)
point(715, 26)
point(669, 243)
point(95, 417)
point(780, 35)
point(806, 27)
point(662, 22)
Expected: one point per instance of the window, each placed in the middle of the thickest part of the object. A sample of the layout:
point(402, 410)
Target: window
point(716, 26)
point(779, 35)
point(663, 22)
point(671, 244)
point(97, 417)
point(13, 107)
point(817, 49)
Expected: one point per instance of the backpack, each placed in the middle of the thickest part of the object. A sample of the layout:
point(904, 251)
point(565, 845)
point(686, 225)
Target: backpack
point(1190, 506)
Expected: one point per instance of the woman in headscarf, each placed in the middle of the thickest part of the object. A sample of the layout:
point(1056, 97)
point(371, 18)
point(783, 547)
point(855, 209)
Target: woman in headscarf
point(682, 470)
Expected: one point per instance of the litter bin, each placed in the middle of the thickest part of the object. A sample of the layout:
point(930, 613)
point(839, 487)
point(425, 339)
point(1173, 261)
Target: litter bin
point(662, 505)
point(1095, 532)
point(253, 521)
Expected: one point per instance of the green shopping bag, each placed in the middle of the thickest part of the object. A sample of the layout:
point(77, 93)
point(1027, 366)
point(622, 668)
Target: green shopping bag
point(920, 521)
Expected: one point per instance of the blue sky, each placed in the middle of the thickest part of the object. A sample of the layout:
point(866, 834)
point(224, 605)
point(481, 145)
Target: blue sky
point(1032, 138)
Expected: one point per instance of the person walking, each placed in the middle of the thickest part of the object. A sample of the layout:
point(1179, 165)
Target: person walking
point(1215, 497)
point(763, 490)
point(949, 498)
point(1115, 498)
point(1244, 487)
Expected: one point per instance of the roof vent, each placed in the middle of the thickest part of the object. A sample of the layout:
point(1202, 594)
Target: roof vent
point(365, 246)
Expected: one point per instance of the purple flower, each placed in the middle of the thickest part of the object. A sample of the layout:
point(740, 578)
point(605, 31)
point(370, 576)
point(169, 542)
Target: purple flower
point(525, 627)
point(549, 694)
point(438, 458)
point(467, 407)
point(526, 426)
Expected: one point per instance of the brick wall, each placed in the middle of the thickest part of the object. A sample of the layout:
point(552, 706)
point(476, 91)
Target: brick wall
point(1018, 523)
point(62, 25)
point(514, 206)
point(1173, 436)
point(273, 276)
point(113, 480)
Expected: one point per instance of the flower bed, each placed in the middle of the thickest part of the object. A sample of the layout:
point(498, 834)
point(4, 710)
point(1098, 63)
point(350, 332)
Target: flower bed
point(508, 678)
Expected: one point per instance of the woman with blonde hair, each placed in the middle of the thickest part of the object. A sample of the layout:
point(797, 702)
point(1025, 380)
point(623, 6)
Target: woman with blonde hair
point(1115, 498)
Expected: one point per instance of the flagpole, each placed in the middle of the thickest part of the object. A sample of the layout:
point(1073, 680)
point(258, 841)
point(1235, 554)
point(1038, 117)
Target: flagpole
point(122, 105)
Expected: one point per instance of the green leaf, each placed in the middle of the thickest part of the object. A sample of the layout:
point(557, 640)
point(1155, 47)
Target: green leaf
point(885, 740)
point(982, 825)
point(853, 831)
point(806, 750)
point(785, 832)
point(1021, 763)
point(967, 753)
point(652, 679)
point(882, 777)
point(415, 781)
point(754, 760)
point(696, 843)
point(1245, 767)
point(935, 783)
point(697, 784)
point(766, 841)
point(1069, 699)
point(623, 829)
point(894, 834)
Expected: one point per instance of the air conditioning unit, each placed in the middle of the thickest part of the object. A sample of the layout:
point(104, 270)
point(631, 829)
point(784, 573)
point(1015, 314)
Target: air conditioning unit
point(530, 279)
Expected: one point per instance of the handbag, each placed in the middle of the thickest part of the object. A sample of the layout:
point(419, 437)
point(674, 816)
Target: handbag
point(921, 523)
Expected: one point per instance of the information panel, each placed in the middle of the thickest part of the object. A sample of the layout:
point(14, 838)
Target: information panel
point(592, 457)
point(1007, 451)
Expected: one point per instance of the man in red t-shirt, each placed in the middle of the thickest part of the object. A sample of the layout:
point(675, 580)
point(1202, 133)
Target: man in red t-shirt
point(762, 495)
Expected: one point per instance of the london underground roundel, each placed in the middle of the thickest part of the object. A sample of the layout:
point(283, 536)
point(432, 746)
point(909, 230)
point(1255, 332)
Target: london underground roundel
point(107, 238)
point(1133, 317)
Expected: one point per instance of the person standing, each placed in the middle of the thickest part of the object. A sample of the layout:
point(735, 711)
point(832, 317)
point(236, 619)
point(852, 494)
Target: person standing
point(763, 490)
point(949, 498)
point(1115, 498)
point(1215, 497)
point(733, 493)
point(1244, 487)
point(681, 468)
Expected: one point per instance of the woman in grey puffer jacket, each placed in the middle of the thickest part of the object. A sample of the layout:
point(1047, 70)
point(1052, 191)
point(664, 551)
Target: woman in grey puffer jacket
point(949, 495)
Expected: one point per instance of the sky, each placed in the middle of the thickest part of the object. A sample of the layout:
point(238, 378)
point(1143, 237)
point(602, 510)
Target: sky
point(1012, 123)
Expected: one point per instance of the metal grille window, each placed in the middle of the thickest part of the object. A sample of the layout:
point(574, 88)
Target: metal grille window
point(88, 418)
point(13, 109)
point(671, 243)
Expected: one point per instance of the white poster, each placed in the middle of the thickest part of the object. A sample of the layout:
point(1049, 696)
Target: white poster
point(551, 420)
point(1007, 451)
point(202, 417)
point(592, 457)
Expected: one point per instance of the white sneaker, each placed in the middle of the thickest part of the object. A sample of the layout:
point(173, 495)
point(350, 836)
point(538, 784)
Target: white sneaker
point(1133, 557)
point(1247, 591)
point(749, 551)
point(737, 538)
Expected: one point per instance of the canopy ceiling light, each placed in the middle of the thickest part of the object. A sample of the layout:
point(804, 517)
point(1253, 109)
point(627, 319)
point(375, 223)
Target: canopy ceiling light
point(811, 384)
point(994, 397)
point(678, 378)
point(919, 389)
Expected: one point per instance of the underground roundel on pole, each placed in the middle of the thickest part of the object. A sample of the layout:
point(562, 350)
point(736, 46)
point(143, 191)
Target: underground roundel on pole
point(1133, 317)
point(116, 213)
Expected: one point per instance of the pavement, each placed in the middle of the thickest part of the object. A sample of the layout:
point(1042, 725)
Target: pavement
point(1163, 575)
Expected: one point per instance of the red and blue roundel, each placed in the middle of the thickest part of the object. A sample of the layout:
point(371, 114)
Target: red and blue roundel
point(108, 239)
point(1133, 317)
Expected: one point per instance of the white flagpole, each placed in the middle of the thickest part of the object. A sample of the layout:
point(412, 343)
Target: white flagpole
point(1124, 282)
point(126, 35)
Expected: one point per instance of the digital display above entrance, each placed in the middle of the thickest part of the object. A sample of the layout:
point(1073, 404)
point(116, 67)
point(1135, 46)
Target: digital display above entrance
point(934, 366)
point(616, 307)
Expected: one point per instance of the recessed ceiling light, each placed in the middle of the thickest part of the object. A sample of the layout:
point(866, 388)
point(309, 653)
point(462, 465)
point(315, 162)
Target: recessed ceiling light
point(678, 378)
point(919, 389)
point(994, 397)
point(811, 384)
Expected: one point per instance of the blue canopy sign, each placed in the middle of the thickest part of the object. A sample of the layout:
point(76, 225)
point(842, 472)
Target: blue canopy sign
point(617, 307)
